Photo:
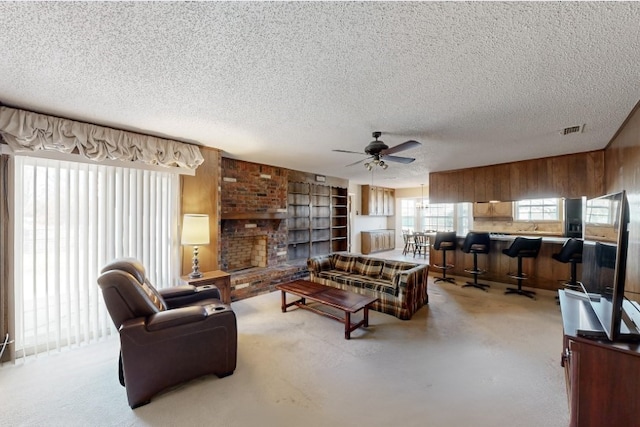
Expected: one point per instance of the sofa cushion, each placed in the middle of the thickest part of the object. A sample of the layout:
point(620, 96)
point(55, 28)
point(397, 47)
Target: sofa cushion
point(391, 268)
point(344, 263)
point(359, 281)
point(368, 267)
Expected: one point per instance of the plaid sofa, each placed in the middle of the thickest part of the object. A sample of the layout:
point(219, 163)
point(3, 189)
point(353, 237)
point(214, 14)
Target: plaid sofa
point(401, 287)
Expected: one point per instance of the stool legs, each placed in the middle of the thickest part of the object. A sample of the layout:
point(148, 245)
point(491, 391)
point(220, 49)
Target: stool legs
point(475, 272)
point(520, 277)
point(444, 268)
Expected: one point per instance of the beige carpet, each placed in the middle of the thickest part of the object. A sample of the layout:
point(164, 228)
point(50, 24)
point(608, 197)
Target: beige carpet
point(470, 358)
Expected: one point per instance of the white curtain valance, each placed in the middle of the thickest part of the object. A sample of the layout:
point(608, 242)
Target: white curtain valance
point(28, 131)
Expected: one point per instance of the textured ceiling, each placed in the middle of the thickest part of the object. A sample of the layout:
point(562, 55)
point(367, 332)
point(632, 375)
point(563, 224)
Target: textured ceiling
point(285, 83)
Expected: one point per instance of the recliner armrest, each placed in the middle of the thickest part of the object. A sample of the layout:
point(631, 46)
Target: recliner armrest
point(177, 291)
point(176, 317)
point(179, 296)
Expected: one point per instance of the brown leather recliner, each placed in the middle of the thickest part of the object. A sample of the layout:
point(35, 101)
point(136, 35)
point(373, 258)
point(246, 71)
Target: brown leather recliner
point(166, 337)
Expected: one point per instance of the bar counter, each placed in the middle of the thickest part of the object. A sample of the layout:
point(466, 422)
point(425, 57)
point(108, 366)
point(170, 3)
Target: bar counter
point(544, 272)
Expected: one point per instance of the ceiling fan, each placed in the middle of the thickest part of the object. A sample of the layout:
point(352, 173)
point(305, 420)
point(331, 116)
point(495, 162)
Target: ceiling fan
point(377, 150)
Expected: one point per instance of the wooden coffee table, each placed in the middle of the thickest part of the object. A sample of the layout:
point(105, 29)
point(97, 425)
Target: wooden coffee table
point(333, 297)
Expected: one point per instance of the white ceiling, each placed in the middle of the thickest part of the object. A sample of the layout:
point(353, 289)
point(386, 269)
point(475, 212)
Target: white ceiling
point(285, 83)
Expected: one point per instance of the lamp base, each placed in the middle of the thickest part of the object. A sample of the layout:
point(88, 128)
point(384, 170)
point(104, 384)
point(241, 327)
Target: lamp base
point(195, 268)
point(195, 275)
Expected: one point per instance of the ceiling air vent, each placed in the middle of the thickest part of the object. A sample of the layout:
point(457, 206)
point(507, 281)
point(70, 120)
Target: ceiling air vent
point(572, 129)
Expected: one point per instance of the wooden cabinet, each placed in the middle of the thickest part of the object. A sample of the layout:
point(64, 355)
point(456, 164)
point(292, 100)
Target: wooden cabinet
point(217, 278)
point(377, 201)
point(377, 241)
point(601, 376)
point(317, 220)
point(570, 176)
point(500, 210)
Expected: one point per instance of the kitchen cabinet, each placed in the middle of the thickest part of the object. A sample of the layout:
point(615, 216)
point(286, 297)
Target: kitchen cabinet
point(377, 241)
point(377, 201)
point(499, 210)
point(570, 176)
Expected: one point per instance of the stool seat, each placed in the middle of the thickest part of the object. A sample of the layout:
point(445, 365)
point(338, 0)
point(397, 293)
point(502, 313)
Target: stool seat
point(445, 241)
point(476, 243)
point(522, 247)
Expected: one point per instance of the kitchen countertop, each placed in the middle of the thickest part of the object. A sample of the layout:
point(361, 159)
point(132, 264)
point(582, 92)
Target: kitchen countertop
point(508, 237)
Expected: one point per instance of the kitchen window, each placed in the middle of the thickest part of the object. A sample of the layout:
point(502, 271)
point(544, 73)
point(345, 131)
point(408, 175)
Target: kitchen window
point(538, 210)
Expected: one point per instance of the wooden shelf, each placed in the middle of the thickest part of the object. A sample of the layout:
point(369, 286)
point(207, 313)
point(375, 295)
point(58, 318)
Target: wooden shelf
point(254, 215)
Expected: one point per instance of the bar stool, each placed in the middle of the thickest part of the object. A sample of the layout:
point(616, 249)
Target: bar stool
point(445, 241)
point(476, 243)
point(571, 252)
point(522, 247)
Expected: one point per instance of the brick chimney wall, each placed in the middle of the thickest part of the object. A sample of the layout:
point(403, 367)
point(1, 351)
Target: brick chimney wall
point(253, 188)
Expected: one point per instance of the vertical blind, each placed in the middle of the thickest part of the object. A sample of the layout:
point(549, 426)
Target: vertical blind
point(70, 220)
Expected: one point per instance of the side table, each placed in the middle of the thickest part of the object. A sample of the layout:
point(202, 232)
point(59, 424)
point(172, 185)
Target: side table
point(218, 278)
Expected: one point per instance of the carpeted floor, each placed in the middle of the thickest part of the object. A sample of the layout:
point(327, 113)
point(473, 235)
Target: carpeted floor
point(469, 358)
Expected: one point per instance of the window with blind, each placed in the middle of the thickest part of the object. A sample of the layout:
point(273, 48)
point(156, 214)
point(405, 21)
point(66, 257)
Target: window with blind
point(71, 219)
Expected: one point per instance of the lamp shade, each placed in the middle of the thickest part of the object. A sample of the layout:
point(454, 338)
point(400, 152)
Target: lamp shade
point(195, 229)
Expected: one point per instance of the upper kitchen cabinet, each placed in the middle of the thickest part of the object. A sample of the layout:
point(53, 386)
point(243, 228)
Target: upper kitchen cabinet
point(499, 210)
point(377, 201)
point(570, 176)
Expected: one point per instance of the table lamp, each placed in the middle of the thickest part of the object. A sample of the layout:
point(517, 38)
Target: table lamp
point(195, 231)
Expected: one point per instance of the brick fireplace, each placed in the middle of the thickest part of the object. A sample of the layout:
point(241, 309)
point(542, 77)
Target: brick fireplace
point(247, 243)
point(253, 228)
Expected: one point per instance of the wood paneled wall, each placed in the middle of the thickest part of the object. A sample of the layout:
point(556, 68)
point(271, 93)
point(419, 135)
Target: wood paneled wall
point(622, 172)
point(200, 194)
point(571, 176)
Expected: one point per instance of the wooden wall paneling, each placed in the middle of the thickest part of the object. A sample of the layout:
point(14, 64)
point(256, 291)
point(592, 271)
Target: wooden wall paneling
point(479, 175)
point(595, 173)
point(622, 165)
point(544, 177)
point(467, 182)
point(199, 194)
point(452, 187)
point(515, 181)
point(561, 171)
point(576, 166)
point(435, 186)
point(491, 184)
point(460, 184)
point(503, 181)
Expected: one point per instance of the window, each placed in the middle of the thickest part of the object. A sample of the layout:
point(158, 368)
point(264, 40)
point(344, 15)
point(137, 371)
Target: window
point(408, 214)
point(70, 219)
point(538, 210)
point(439, 217)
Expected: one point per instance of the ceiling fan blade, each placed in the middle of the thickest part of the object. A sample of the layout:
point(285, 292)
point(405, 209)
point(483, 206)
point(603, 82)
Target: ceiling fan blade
point(401, 147)
point(398, 159)
point(358, 162)
point(347, 151)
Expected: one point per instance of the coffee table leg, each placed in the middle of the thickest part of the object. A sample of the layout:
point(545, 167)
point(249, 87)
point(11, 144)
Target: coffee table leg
point(284, 302)
point(366, 316)
point(347, 325)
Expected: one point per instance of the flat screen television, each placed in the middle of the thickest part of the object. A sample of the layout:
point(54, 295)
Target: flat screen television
point(604, 261)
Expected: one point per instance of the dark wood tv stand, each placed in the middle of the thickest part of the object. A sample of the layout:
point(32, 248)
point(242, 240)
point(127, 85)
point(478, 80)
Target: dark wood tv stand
point(602, 377)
